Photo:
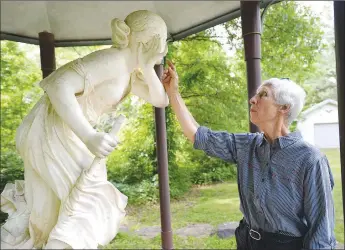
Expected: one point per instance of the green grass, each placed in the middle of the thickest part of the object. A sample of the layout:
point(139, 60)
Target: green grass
point(125, 241)
point(212, 204)
point(333, 156)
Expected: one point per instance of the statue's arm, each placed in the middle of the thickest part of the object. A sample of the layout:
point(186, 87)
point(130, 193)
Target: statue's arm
point(151, 89)
point(62, 97)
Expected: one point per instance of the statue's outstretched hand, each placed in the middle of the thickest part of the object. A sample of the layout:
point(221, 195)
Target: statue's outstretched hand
point(101, 144)
point(170, 79)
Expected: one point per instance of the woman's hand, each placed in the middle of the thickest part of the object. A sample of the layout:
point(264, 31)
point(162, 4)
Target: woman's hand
point(170, 79)
point(101, 144)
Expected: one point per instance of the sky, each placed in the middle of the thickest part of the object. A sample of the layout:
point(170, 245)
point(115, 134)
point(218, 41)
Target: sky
point(323, 8)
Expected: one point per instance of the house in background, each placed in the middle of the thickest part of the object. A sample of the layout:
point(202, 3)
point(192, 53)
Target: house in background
point(319, 124)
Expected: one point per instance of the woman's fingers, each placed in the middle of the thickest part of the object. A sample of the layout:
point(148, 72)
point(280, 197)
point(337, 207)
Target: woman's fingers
point(172, 73)
point(167, 80)
point(171, 65)
point(166, 77)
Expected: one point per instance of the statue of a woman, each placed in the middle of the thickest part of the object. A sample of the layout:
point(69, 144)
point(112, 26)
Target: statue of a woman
point(57, 141)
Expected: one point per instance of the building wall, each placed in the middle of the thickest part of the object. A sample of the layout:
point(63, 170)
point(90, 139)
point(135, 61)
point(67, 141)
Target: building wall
point(325, 114)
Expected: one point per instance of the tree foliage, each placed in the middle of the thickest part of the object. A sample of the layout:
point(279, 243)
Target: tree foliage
point(19, 92)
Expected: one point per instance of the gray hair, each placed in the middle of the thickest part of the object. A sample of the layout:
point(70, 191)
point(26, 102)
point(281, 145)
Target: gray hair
point(287, 92)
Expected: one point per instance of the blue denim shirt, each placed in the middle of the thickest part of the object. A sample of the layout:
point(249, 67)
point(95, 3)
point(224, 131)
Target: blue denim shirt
point(284, 187)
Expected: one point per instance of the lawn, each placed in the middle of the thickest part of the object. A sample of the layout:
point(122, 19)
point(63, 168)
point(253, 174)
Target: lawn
point(334, 160)
point(210, 204)
point(213, 205)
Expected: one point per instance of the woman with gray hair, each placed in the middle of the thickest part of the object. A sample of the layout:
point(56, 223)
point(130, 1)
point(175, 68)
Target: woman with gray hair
point(285, 185)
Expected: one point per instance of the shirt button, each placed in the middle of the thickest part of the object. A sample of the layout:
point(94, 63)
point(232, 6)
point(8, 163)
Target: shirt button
point(262, 179)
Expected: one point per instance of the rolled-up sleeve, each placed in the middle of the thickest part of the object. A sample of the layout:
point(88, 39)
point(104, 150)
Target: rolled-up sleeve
point(319, 207)
point(217, 144)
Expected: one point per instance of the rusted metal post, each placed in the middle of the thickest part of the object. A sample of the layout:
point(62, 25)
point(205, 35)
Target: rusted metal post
point(163, 174)
point(339, 30)
point(251, 32)
point(47, 53)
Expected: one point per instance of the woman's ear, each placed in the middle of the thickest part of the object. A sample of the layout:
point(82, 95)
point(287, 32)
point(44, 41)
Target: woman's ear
point(285, 108)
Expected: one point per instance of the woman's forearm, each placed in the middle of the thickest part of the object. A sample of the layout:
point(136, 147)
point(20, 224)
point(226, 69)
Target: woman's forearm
point(67, 107)
point(186, 120)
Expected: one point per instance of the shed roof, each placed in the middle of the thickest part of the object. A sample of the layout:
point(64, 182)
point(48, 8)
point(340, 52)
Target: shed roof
point(318, 106)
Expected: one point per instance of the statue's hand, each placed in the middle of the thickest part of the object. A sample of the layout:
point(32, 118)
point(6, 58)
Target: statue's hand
point(158, 58)
point(151, 57)
point(101, 144)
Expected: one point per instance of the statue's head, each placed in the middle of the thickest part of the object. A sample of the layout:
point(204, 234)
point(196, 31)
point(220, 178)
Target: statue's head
point(143, 28)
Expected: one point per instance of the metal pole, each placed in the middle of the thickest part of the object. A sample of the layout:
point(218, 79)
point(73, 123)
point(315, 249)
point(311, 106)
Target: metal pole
point(251, 33)
point(163, 174)
point(47, 53)
point(339, 30)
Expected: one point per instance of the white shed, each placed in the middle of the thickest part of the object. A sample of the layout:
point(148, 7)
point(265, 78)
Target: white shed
point(319, 124)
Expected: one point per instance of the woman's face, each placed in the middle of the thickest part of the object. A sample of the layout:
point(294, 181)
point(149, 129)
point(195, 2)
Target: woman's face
point(263, 108)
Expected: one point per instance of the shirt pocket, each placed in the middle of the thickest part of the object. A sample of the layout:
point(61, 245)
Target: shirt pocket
point(279, 174)
point(286, 171)
point(284, 193)
point(287, 179)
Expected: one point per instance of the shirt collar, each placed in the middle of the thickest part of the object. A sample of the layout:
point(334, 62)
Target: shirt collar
point(283, 141)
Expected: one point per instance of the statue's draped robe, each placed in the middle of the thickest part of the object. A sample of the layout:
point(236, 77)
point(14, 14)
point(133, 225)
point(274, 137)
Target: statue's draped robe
point(84, 213)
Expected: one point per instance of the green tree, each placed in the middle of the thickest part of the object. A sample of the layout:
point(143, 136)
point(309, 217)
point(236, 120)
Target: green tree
point(212, 95)
point(19, 92)
point(292, 39)
point(322, 83)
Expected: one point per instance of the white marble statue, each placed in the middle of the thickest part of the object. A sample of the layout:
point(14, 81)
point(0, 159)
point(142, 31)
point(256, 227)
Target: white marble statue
point(62, 204)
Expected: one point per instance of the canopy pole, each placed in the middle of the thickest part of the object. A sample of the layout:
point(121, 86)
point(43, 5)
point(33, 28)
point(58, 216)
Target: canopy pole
point(163, 172)
point(339, 30)
point(251, 33)
point(47, 53)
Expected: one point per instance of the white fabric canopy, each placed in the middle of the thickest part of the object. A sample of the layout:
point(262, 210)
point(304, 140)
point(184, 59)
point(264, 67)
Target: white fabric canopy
point(88, 22)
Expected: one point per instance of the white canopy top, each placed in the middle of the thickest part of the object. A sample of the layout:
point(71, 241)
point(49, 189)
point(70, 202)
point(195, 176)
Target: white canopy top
point(76, 23)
